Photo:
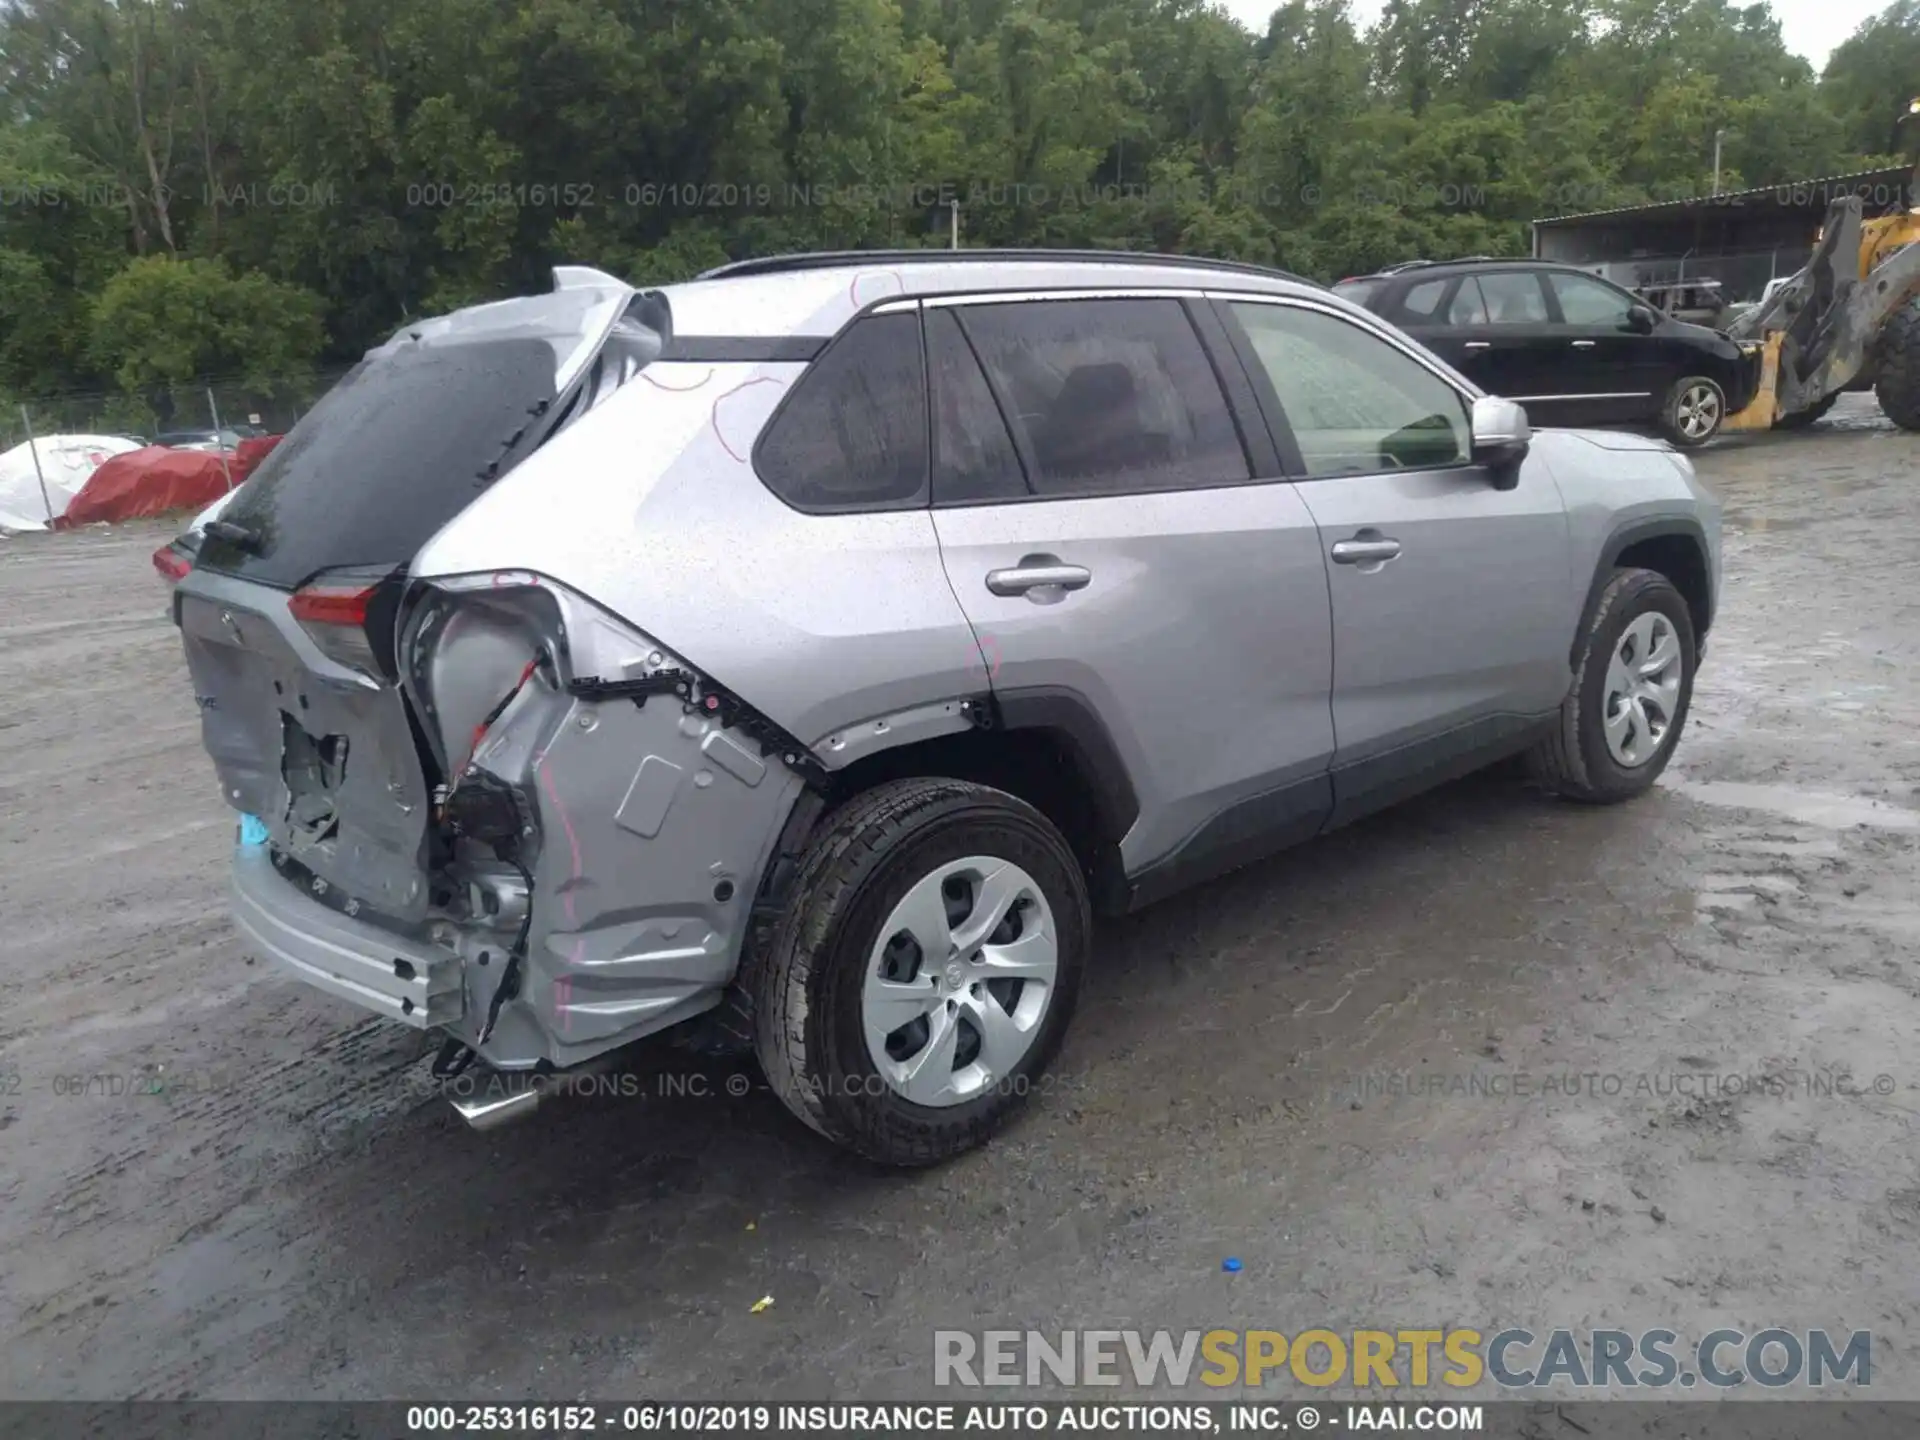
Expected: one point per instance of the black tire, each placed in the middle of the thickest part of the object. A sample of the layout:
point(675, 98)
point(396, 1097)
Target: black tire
point(807, 988)
point(1574, 760)
point(1800, 420)
point(1684, 398)
point(1898, 350)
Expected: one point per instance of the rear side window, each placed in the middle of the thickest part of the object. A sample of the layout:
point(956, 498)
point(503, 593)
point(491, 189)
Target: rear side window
point(1514, 297)
point(1109, 397)
point(973, 455)
point(1469, 307)
point(1423, 300)
point(853, 435)
point(1358, 291)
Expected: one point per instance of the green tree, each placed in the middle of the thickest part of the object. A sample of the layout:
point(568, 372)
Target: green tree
point(162, 321)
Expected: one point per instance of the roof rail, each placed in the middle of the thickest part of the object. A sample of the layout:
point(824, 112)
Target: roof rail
point(832, 259)
point(1406, 265)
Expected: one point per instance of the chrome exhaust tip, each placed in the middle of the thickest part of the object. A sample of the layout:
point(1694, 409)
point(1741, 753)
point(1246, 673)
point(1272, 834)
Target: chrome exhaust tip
point(503, 1100)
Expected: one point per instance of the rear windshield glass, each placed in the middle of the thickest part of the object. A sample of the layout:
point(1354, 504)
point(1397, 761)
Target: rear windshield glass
point(1358, 291)
point(400, 446)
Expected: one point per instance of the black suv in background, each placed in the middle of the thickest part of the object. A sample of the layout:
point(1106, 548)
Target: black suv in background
point(1572, 348)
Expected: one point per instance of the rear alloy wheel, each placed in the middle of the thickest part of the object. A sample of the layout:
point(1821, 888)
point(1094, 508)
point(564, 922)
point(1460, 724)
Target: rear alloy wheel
point(925, 971)
point(1634, 682)
point(1693, 412)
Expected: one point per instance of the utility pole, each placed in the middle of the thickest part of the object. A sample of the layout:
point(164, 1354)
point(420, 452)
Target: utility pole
point(953, 210)
point(1718, 136)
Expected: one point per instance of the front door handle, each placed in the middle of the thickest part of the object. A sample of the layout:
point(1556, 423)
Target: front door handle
point(1478, 345)
point(1035, 573)
point(1583, 344)
point(1374, 550)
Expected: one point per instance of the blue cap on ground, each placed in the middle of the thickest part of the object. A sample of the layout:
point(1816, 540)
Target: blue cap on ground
point(1231, 1264)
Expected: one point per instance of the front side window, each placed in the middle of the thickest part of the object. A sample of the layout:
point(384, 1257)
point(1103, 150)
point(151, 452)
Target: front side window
point(853, 435)
point(1590, 302)
point(1356, 404)
point(1514, 297)
point(1108, 397)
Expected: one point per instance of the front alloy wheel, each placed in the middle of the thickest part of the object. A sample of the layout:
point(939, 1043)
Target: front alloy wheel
point(1632, 684)
point(1643, 690)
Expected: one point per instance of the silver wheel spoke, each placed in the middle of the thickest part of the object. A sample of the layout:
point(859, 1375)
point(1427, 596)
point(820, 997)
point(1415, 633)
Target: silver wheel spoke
point(992, 898)
point(1665, 651)
point(1619, 726)
point(1002, 1039)
point(888, 1006)
point(927, 1078)
point(1643, 689)
point(922, 913)
point(1034, 956)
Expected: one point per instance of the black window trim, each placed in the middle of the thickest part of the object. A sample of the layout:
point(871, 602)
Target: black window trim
point(891, 305)
point(1015, 440)
point(1269, 398)
point(1485, 322)
point(1247, 426)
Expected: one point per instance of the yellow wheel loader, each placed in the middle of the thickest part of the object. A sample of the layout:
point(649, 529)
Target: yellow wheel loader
point(1848, 318)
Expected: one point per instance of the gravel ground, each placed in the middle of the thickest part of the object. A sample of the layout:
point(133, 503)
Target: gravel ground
point(254, 1197)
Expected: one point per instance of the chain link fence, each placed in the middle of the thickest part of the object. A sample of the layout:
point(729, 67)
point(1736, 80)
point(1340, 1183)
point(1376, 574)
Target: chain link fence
point(192, 413)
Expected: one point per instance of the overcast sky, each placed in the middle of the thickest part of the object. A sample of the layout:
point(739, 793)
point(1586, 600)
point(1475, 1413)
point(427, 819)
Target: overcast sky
point(1812, 27)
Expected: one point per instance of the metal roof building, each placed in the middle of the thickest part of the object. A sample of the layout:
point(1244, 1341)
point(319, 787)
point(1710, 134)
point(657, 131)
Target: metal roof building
point(1742, 238)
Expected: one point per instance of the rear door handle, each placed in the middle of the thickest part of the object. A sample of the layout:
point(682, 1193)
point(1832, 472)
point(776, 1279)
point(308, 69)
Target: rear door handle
point(1024, 577)
point(1478, 345)
point(1365, 552)
point(1583, 344)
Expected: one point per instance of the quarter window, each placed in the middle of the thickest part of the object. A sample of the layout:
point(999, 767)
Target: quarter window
point(1514, 297)
point(1108, 397)
point(1356, 405)
point(853, 435)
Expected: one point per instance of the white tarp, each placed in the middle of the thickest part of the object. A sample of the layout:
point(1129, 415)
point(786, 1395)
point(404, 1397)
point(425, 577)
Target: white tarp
point(66, 462)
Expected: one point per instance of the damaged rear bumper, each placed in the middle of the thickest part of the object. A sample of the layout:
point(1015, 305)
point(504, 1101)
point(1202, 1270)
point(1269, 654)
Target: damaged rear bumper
point(417, 984)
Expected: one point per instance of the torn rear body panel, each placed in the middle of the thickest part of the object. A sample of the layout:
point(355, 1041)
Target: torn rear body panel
point(642, 820)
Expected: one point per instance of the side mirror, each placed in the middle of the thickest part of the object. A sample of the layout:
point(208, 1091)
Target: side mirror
point(1641, 319)
point(1501, 436)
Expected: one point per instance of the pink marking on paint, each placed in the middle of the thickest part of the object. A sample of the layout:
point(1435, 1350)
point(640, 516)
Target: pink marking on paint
point(720, 434)
point(677, 389)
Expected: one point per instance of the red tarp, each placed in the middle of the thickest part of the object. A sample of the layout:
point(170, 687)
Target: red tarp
point(157, 479)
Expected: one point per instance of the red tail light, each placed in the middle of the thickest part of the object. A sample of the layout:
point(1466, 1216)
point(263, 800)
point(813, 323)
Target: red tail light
point(172, 562)
point(327, 603)
point(335, 611)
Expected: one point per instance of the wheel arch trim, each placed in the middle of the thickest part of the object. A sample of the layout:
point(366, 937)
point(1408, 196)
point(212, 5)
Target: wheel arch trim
point(1621, 539)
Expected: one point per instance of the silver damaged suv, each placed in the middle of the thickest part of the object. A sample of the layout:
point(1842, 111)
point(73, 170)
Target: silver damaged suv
point(802, 656)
